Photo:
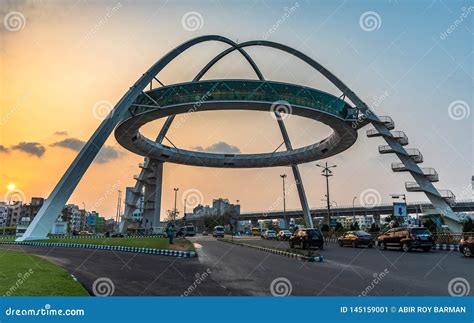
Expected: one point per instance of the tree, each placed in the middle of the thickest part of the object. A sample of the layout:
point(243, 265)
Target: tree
point(468, 226)
point(374, 228)
point(355, 226)
point(325, 228)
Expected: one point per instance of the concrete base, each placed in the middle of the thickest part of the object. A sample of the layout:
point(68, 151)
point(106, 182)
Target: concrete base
point(158, 230)
point(30, 238)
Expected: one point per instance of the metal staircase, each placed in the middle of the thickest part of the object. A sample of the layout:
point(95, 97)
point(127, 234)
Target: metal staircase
point(410, 158)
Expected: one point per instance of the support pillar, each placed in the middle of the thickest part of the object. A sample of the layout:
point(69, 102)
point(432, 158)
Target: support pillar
point(296, 174)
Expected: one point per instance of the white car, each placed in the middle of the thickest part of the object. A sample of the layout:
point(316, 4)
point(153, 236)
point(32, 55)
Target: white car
point(269, 234)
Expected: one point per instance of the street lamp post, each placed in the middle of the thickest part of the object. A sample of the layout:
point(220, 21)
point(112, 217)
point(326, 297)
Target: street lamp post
point(326, 172)
point(353, 211)
point(283, 176)
point(176, 189)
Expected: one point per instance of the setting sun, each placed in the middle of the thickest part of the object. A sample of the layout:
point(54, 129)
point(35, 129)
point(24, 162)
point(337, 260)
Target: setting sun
point(11, 187)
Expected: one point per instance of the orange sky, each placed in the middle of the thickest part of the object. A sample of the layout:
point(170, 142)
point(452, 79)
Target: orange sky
point(62, 63)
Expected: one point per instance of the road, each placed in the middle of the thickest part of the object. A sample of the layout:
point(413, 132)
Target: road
point(345, 271)
point(236, 270)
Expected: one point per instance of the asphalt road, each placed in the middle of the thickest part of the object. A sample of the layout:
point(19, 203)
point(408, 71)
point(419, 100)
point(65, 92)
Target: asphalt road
point(345, 271)
point(236, 270)
point(131, 274)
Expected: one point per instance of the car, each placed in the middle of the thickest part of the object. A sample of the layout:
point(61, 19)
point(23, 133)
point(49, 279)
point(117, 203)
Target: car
point(466, 246)
point(85, 233)
point(407, 239)
point(269, 234)
point(218, 231)
point(262, 233)
point(284, 235)
point(117, 235)
point(355, 239)
point(306, 238)
point(205, 233)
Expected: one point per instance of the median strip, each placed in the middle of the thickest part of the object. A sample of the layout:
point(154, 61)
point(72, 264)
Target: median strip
point(150, 251)
point(276, 251)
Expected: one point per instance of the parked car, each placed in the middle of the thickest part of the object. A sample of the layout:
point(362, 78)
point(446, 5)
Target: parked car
point(85, 233)
point(466, 246)
point(269, 234)
point(262, 233)
point(284, 235)
point(355, 239)
point(218, 231)
point(407, 239)
point(306, 238)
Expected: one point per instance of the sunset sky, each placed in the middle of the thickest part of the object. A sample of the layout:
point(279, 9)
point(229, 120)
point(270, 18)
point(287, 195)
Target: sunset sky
point(70, 59)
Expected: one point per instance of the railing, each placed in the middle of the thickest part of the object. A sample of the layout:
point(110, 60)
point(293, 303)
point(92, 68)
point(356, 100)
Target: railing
point(447, 195)
point(401, 137)
point(431, 174)
point(387, 121)
point(245, 90)
point(398, 167)
point(412, 187)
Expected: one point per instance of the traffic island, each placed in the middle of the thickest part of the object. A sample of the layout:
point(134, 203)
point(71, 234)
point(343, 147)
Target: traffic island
point(28, 275)
point(304, 255)
point(149, 245)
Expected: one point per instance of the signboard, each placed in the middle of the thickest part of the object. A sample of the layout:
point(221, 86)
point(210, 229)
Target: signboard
point(400, 209)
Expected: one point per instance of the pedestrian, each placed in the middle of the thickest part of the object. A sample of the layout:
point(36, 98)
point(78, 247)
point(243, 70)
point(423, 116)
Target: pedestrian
point(170, 231)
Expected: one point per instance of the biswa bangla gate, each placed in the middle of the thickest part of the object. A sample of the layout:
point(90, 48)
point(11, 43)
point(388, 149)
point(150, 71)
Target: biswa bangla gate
point(144, 103)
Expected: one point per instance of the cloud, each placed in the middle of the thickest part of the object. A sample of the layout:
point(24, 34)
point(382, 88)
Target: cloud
point(32, 148)
point(70, 143)
point(106, 153)
point(4, 149)
point(219, 147)
point(61, 133)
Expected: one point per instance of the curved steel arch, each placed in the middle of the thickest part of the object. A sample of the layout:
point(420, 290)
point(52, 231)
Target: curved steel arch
point(47, 215)
point(426, 186)
point(49, 212)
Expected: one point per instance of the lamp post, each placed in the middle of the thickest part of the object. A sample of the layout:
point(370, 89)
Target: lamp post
point(176, 189)
point(283, 176)
point(326, 172)
point(353, 211)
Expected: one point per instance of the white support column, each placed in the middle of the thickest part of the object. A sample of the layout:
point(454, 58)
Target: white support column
point(158, 190)
point(296, 174)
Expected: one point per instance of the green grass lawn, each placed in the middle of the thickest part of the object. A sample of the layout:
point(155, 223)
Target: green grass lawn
point(145, 242)
point(22, 274)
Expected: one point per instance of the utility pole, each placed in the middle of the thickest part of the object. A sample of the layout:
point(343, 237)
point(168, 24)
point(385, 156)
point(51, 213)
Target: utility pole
point(176, 189)
point(283, 176)
point(326, 172)
point(184, 213)
point(119, 202)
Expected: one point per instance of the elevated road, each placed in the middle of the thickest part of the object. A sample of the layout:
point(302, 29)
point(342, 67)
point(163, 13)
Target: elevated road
point(382, 209)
